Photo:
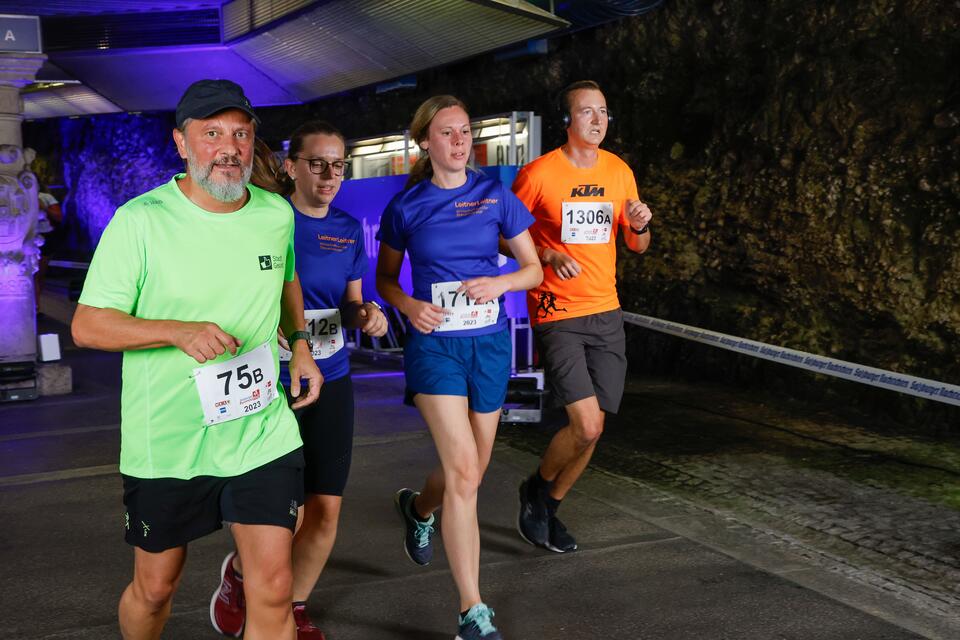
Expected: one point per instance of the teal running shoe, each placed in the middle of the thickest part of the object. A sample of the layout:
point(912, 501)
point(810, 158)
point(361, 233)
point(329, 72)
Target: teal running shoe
point(417, 534)
point(478, 624)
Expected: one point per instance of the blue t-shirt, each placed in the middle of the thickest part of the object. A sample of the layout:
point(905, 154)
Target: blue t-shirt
point(330, 253)
point(453, 234)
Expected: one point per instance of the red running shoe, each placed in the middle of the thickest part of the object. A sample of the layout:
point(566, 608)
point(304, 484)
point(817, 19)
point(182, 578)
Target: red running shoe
point(228, 609)
point(305, 629)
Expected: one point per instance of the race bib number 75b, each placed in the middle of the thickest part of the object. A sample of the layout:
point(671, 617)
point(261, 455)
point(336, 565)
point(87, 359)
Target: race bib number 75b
point(238, 387)
point(586, 222)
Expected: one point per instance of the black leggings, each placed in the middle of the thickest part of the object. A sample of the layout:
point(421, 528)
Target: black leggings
point(326, 428)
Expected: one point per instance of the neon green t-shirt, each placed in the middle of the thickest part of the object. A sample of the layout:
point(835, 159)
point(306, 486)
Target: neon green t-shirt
point(164, 258)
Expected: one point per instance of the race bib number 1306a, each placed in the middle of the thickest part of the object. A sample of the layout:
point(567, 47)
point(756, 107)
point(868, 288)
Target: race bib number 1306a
point(463, 312)
point(238, 387)
point(586, 222)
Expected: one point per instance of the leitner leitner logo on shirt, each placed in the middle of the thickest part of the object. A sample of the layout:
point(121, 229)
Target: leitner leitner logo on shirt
point(334, 243)
point(472, 208)
point(271, 262)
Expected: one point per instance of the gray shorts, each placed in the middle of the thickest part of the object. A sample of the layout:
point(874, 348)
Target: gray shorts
point(584, 357)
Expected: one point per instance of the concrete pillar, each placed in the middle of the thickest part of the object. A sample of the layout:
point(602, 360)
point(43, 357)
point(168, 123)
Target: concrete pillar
point(19, 240)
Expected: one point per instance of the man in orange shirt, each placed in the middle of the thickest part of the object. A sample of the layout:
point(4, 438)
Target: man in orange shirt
point(580, 196)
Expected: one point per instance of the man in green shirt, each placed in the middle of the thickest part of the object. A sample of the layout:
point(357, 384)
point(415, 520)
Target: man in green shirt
point(190, 281)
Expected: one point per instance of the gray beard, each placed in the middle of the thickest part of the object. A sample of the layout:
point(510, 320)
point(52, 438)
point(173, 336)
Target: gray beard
point(225, 192)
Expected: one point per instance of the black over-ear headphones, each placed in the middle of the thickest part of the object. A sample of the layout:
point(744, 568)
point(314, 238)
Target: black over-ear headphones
point(563, 104)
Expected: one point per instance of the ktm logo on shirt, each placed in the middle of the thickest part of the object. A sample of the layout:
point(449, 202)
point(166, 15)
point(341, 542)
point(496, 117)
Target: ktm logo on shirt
point(586, 191)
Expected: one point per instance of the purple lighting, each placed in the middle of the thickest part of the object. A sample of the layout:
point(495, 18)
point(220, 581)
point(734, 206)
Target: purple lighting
point(110, 159)
point(366, 198)
point(384, 374)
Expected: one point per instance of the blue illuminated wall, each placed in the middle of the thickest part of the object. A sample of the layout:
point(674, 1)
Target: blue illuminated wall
point(108, 160)
point(366, 198)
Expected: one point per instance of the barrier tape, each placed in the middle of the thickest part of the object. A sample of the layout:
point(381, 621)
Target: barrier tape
point(920, 387)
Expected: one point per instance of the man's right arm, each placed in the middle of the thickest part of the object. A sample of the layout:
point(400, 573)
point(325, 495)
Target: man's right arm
point(113, 330)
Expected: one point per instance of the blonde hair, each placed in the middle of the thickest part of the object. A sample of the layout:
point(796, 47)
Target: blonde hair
point(420, 130)
point(266, 168)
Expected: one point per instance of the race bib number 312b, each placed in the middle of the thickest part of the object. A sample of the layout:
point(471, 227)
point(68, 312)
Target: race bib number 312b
point(586, 222)
point(464, 313)
point(238, 387)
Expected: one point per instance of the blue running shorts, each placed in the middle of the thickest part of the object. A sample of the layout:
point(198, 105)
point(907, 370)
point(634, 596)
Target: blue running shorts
point(477, 367)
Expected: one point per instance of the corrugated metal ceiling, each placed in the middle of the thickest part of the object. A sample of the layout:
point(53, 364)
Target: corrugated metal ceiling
point(69, 100)
point(243, 16)
point(287, 51)
point(152, 79)
point(348, 43)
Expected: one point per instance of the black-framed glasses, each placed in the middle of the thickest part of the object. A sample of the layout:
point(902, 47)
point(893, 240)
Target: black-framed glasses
point(319, 166)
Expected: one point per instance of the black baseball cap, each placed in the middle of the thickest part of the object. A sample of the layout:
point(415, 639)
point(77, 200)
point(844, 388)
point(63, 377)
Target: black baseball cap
point(206, 97)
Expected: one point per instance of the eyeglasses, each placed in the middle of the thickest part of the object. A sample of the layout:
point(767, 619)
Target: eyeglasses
point(319, 166)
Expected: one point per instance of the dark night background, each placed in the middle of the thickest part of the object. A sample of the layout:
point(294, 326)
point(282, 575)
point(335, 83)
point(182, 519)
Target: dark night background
point(802, 160)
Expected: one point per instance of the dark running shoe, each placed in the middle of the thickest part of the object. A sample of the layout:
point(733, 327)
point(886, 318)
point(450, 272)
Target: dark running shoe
point(228, 609)
point(478, 624)
point(417, 534)
point(560, 539)
point(533, 520)
point(306, 630)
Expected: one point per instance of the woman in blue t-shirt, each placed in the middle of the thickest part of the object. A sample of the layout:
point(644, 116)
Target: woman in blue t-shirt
point(457, 355)
point(331, 260)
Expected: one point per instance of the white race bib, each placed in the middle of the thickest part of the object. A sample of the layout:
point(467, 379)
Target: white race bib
point(586, 222)
point(465, 313)
point(241, 386)
point(324, 328)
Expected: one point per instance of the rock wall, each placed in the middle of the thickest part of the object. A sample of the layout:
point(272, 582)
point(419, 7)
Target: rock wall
point(102, 161)
point(802, 160)
point(811, 191)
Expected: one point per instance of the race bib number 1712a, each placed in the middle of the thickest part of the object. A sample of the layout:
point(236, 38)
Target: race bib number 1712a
point(462, 311)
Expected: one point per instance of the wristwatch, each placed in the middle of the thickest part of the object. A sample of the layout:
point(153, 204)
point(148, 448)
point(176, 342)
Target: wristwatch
point(300, 335)
point(641, 230)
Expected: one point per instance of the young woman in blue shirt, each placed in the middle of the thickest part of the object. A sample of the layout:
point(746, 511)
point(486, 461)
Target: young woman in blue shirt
point(457, 355)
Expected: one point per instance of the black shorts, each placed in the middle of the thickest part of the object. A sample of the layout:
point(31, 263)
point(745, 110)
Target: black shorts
point(584, 357)
point(326, 428)
point(164, 513)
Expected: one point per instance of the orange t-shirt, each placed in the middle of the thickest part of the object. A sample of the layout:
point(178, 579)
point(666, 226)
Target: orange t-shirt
point(577, 212)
